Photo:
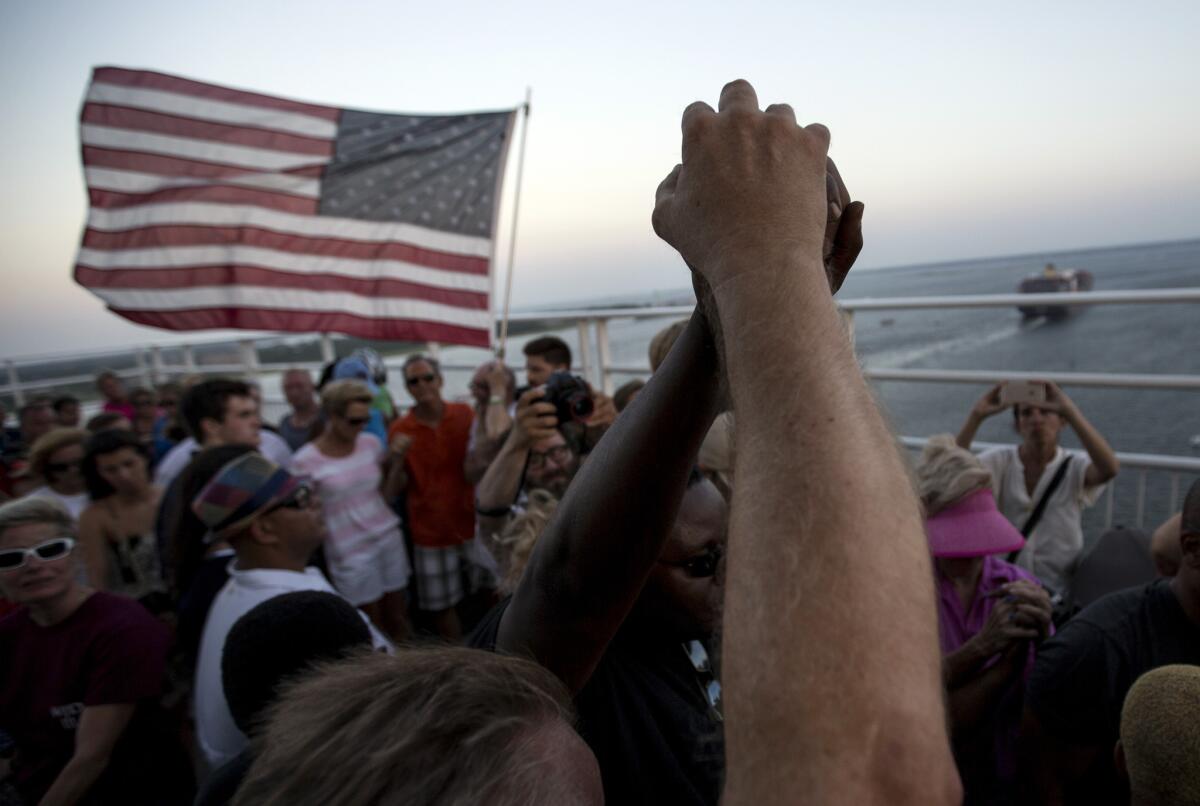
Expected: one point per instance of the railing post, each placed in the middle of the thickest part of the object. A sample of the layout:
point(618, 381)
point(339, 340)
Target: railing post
point(189, 359)
point(156, 365)
point(1174, 494)
point(585, 348)
point(14, 381)
point(328, 354)
point(143, 367)
point(249, 352)
point(605, 355)
point(433, 349)
point(1141, 498)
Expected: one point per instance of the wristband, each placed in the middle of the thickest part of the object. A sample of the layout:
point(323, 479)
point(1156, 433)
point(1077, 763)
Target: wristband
point(495, 399)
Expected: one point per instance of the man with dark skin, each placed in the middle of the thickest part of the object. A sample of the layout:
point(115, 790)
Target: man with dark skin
point(594, 575)
point(1078, 686)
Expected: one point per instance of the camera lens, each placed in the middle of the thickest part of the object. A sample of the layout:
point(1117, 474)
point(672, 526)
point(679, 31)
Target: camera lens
point(581, 406)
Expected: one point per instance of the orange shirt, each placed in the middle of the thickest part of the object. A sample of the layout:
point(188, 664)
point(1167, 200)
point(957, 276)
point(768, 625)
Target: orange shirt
point(441, 504)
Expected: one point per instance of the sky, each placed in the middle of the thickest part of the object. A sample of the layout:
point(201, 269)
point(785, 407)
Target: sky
point(969, 130)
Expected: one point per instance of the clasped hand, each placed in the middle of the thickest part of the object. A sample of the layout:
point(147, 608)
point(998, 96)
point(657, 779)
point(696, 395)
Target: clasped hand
point(753, 187)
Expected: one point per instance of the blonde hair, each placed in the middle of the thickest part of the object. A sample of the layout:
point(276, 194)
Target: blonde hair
point(946, 473)
point(521, 535)
point(1160, 735)
point(51, 443)
point(336, 397)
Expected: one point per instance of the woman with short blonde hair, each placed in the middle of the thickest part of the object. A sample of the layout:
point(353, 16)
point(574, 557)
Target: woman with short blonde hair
point(336, 397)
point(368, 562)
point(57, 458)
point(991, 614)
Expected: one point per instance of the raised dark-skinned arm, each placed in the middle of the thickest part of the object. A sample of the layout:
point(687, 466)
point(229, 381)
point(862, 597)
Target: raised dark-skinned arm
point(593, 559)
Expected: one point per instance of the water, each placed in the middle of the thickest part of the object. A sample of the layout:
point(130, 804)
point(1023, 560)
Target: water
point(1123, 338)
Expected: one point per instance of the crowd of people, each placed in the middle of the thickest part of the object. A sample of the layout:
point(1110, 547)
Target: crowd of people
point(726, 583)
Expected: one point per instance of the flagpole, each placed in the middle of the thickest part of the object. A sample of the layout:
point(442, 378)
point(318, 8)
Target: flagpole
point(512, 240)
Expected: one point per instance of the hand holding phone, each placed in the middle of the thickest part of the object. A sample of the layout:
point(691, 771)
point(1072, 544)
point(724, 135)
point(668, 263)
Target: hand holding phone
point(1018, 392)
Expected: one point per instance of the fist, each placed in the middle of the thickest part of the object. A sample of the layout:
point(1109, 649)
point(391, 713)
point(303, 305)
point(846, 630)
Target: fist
point(400, 444)
point(752, 184)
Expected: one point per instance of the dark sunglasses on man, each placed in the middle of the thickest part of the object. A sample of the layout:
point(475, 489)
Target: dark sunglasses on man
point(413, 380)
point(59, 468)
point(56, 549)
point(301, 498)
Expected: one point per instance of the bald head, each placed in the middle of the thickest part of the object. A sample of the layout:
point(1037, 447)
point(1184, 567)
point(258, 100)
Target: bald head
point(1160, 736)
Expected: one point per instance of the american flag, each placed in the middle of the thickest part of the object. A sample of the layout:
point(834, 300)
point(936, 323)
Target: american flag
point(214, 207)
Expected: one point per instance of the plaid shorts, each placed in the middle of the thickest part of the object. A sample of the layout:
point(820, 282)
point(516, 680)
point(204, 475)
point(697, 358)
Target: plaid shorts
point(446, 574)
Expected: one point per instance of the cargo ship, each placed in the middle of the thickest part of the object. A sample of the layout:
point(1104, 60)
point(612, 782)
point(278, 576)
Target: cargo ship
point(1053, 280)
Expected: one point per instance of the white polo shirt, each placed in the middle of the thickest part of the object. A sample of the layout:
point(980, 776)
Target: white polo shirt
point(216, 733)
point(270, 445)
point(1058, 537)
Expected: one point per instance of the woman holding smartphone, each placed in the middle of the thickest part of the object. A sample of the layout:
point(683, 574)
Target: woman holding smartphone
point(1041, 487)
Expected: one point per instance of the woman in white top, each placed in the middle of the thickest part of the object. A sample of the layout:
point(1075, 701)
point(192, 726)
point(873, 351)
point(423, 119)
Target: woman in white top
point(365, 552)
point(57, 458)
point(1022, 473)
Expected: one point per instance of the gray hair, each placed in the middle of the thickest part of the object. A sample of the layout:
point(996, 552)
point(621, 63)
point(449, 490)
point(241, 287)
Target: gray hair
point(36, 510)
point(946, 473)
point(413, 359)
point(448, 726)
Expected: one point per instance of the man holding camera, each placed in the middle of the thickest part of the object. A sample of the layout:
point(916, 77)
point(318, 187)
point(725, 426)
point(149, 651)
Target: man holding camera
point(431, 440)
point(535, 455)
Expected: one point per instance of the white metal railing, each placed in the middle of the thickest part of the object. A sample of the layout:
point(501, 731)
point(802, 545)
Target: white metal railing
point(1139, 463)
point(596, 364)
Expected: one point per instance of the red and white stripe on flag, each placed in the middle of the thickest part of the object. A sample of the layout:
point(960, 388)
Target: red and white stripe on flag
point(206, 212)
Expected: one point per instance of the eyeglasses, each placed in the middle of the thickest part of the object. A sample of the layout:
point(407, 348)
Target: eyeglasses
point(357, 421)
point(702, 565)
point(59, 547)
point(63, 467)
point(301, 498)
point(706, 678)
point(415, 379)
point(559, 453)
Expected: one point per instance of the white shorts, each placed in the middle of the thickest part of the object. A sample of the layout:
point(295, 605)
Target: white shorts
point(366, 575)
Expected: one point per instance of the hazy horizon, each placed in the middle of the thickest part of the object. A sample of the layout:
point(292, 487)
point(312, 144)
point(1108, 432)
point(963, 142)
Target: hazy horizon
point(969, 133)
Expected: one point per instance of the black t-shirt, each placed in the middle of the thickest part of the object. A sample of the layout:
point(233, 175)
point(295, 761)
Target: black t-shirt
point(646, 718)
point(1082, 674)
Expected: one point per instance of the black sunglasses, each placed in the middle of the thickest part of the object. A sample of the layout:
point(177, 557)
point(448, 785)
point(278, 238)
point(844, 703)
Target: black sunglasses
point(12, 559)
point(63, 467)
point(710, 686)
point(357, 421)
point(412, 381)
point(301, 498)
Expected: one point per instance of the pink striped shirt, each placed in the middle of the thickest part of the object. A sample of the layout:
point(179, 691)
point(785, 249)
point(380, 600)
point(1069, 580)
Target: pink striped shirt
point(355, 511)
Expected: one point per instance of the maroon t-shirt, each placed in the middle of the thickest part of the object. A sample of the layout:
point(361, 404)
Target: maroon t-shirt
point(109, 651)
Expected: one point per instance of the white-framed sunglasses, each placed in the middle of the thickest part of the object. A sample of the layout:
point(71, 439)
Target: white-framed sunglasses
point(56, 549)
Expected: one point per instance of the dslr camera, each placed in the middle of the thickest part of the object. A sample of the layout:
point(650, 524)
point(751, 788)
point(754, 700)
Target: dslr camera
point(571, 396)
